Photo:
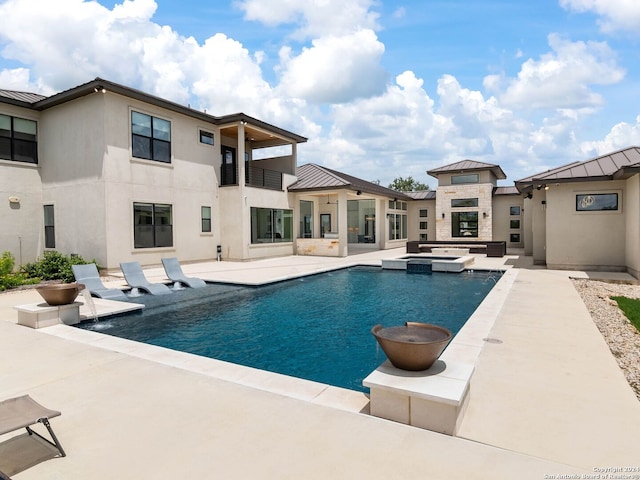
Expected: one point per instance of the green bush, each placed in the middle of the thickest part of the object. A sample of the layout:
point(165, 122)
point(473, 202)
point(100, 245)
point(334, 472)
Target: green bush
point(9, 278)
point(54, 266)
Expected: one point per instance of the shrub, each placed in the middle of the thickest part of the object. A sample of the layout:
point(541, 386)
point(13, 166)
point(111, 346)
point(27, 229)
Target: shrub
point(9, 279)
point(54, 266)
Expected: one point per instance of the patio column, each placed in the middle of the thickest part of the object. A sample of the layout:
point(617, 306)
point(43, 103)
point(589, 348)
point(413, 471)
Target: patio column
point(241, 153)
point(343, 237)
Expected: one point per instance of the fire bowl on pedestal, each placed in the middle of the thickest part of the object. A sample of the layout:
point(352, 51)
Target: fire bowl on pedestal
point(414, 346)
point(60, 293)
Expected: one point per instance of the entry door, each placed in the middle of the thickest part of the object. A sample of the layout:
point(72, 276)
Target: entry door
point(325, 223)
point(229, 168)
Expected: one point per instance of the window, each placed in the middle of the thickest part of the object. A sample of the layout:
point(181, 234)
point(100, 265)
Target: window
point(206, 137)
point(397, 226)
point(464, 202)
point(464, 224)
point(150, 137)
point(205, 214)
point(514, 223)
point(49, 227)
point(18, 139)
point(270, 225)
point(514, 238)
point(422, 237)
point(424, 212)
point(397, 205)
point(596, 202)
point(152, 225)
point(514, 210)
point(423, 225)
point(306, 219)
point(460, 179)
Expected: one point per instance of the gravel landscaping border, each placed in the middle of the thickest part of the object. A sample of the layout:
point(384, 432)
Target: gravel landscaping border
point(621, 336)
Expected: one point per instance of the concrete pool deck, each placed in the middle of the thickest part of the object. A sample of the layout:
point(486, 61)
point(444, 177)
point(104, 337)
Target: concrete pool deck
point(548, 400)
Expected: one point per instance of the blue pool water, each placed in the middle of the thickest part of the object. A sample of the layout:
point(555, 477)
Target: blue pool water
point(317, 327)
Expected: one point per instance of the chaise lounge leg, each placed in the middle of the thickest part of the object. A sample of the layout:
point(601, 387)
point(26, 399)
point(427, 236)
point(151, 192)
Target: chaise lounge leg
point(55, 443)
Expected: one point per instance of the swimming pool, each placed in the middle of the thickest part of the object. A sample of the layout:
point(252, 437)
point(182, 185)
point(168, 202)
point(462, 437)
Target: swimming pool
point(316, 327)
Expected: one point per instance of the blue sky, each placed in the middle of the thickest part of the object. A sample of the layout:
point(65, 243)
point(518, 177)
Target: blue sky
point(381, 88)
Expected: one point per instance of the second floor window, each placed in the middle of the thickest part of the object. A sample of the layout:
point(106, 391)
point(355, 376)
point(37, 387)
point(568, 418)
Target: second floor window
point(150, 137)
point(18, 139)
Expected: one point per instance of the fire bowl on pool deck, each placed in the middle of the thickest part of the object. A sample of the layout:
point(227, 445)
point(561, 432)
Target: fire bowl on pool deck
point(60, 293)
point(414, 346)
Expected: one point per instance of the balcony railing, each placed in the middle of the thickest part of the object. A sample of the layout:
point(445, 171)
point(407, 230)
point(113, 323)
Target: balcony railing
point(262, 178)
point(253, 176)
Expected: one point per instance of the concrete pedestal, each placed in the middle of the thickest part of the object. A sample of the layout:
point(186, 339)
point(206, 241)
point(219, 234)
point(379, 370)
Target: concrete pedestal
point(434, 399)
point(40, 315)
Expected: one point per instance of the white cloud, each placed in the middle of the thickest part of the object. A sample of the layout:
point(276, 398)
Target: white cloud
point(335, 69)
point(561, 78)
point(620, 136)
point(317, 18)
point(615, 14)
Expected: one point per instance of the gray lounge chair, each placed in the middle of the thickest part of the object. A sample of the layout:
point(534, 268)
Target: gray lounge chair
point(174, 273)
point(89, 276)
point(22, 412)
point(134, 276)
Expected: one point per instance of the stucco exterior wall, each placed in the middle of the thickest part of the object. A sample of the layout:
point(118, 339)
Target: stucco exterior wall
point(538, 213)
point(502, 218)
point(413, 211)
point(22, 222)
point(632, 221)
point(585, 240)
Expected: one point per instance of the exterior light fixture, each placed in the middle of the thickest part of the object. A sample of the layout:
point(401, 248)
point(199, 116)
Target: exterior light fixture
point(484, 214)
point(442, 214)
point(14, 200)
point(546, 187)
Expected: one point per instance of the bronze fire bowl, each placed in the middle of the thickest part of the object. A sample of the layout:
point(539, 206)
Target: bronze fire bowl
point(60, 293)
point(414, 346)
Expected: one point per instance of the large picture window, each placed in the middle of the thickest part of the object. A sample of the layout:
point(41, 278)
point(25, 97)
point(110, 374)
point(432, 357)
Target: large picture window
point(464, 202)
point(596, 202)
point(397, 226)
point(464, 224)
point(49, 227)
point(150, 137)
point(152, 225)
point(462, 179)
point(18, 139)
point(270, 225)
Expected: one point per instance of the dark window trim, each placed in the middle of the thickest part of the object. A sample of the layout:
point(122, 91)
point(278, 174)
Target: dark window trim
point(49, 227)
point(152, 140)
point(464, 202)
point(588, 202)
point(207, 135)
point(470, 226)
point(155, 227)
point(462, 179)
point(13, 140)
point(206, 220)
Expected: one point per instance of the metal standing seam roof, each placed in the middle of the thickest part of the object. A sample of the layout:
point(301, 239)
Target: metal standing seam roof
point(604, 167)
point(39, 102)
point(315, 177)
point(422, 195)
point(468, 166)
point(21, 97)
point(506, 191)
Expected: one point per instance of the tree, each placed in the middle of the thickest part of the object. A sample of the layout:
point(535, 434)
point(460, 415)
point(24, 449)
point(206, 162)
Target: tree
point(407, 185)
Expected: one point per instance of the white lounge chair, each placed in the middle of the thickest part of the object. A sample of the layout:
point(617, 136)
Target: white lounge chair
point(134, 276)
point(175, 274)
point(89, 276)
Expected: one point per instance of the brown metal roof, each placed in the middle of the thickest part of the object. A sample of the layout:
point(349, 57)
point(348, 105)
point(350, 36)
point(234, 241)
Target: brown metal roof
point(506, 191)
point(422, 195)
point(610, 166)
point(39, 102)
point(467, 166)
point(19, 98)
point(315, 177)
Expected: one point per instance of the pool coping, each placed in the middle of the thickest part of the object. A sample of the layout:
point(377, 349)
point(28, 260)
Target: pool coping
point(436, 399)
point(463, 350)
